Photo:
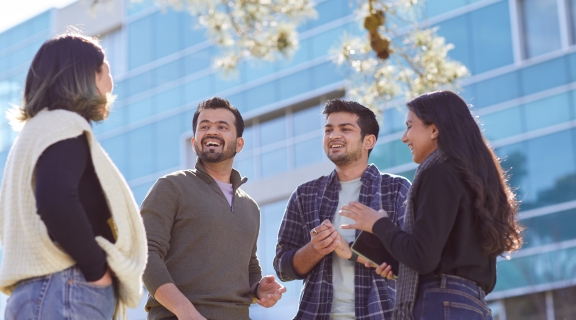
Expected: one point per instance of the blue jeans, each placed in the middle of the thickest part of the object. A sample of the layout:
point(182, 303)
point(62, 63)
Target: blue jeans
point(450, 297)
point(60, 295)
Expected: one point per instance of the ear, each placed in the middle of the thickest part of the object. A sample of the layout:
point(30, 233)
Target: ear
point(369, 141)
point(239, 144)
point(434, 132)
point(193, 145)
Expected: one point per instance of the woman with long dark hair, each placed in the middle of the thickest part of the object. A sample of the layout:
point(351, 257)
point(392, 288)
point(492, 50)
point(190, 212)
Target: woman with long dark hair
point(73, 242)
point(460, 215)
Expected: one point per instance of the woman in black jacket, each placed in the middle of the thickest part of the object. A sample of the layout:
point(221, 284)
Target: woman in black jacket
point(460, 215)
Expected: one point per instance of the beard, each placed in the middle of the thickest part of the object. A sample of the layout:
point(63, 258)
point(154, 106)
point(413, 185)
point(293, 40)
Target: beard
point(346, 158)
point(212, 156)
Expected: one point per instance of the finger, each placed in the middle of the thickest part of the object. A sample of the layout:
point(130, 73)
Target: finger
point(326, 222)
point(282, 289)
point(381, 268)
point(349, 214)
point(357, 205)
point(350, 226)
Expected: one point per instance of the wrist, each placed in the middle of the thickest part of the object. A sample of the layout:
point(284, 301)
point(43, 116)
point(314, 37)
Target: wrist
point(353, 255)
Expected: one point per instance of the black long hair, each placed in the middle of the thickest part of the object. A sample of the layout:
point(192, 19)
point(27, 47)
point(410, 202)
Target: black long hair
point(464, 146)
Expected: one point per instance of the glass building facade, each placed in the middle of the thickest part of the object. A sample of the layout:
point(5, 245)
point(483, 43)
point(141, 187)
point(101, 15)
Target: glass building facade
point(522, 59)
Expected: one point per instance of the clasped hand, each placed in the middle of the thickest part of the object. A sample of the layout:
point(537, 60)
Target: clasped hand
point(269, 291)
point(326, 239)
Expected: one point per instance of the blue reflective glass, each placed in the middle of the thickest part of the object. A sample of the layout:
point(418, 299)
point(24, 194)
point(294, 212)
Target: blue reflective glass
point(552, 170)
point(546, 112)
point(541, 28)
point(550, 228)
point(402, 154)
point(260, 96)
point(141, 150)
point(245, 166)
point(139, 110)
point(168, 100)
point(186, 120)
point(491, 37)
point(436, 7)
point(225, 81)
point(5, 62)
point(299, 56)
point(502, 124)
point(322, 43)
point(40, 23)
point(198, 61)
point(168, 72)
point(193, 32)
point(497, 89)
point(272, 131)
point(514, 162)
point(198, 89)
point(139, 6)
point(237, 100)
point(140, 46)
point(308, 152)
point(139, 83)
point(116, 119)
point(329, 11)
point(117, 150)
point(326, 74)
point(168, 147)
point(168, 29)
point(294, 84)
point(408, 174)
point(394, 120)
point(252, 70)
point(3, 158)
point(248, 136)
point(141, 191)
point(308, 120)
point(455, 31)
point(274, 162)
point(545, 75)
point(120, 89)
point(382, 156)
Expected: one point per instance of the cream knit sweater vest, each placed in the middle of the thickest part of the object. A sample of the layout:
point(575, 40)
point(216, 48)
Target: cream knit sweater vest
point(27, 248)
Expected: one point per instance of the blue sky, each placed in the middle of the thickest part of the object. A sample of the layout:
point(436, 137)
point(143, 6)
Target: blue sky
point(12, 12)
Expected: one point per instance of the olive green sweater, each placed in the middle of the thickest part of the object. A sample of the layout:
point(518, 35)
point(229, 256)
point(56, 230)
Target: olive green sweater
point(197, 241)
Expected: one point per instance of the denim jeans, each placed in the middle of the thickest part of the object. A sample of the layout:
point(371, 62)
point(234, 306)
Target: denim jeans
point(61, 295)
point(450, 297)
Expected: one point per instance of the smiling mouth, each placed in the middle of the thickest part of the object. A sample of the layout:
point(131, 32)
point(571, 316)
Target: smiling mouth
point(212, 143)
point(336, 146)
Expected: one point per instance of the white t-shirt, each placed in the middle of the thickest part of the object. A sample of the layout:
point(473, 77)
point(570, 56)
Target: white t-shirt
point(342, 269)
point(227, 190)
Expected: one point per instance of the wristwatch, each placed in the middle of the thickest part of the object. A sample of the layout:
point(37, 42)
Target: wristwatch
point(354, 256)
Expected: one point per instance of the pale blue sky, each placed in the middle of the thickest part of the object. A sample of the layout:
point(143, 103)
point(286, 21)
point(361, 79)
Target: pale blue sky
point(12, 12)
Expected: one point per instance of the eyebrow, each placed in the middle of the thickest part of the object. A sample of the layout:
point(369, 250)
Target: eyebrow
point(340, 125)
point(219, 121)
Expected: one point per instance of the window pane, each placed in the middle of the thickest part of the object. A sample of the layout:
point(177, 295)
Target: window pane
point(326, 74)
point(527, 307)
point(168, 72)
point(455, 31)
point(168, 99)
point(308, 152)
point(294, 84)
point(402, 153)
point(491, 37)
point(549, 228)
point(544, 75)
point(140, 110)
point(436, 7)
point(193, 33)
point(308, 120)
point(541, 29)
point(248, 139)
point(245, 167)
point(272, 131)
point(141, 191)
point(547, 112)
point(329, 11)
point(513, 162)
point(381, 156)
point(498, 89)
point(551, 165)
point(167, 32)
point(198, 61)
point(168, 147)
point(502, 124)
point(564, 303)
point(274, 162)
point(260, 96)
point(198, 89)
point(116, 149)
point(140, 47)
point(141, 146)
point(140, 83)
point(394, 120)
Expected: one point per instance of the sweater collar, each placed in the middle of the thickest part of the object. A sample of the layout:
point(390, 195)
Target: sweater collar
point(235, 178)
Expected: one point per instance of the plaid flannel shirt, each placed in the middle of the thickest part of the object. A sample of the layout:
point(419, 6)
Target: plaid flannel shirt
point(312, 203)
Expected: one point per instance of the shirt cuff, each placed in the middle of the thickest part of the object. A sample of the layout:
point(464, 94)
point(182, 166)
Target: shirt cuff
point(288, 272)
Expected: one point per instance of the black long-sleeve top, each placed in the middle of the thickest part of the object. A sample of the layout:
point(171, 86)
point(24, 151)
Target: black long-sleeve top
point(72, 205)
point(445, 238)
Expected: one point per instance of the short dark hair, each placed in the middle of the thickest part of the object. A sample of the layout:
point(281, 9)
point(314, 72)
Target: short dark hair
point(219, 103)
point(61, 76)
point(366, 118)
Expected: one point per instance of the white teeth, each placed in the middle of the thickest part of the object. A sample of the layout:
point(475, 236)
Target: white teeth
point(337, 146)
point(212, 143)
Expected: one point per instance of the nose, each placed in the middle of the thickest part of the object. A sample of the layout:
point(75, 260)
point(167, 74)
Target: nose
point(405, 137)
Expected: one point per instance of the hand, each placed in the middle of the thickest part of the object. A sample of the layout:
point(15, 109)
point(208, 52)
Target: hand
point(105, 281)
point(323, 240)
point(269, 291)
point(364, 216)
point(383, 270)
point(343, 249)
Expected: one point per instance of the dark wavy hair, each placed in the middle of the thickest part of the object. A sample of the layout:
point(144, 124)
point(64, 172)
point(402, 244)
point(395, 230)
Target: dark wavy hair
point(62, 76)
point(219, 103)
point(464, 146)
point(366, 118)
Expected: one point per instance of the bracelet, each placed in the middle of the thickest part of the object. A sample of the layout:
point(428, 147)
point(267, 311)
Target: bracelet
point(354, 256)
point(255, 292)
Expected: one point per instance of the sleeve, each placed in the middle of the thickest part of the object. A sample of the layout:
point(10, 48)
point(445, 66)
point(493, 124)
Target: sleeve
point(400, 203)
point(159, 210)
point(58, 173)
point(435, 212)
point(254, 269)
point(290, 238)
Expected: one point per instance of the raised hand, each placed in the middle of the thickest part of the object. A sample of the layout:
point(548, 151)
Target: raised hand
point(364, 216)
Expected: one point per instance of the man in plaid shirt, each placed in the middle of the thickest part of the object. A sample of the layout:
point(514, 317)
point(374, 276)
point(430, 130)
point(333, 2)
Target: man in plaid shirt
point(311, 244)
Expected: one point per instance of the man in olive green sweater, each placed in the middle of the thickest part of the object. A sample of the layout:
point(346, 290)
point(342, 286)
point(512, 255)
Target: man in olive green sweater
point(202, 230)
